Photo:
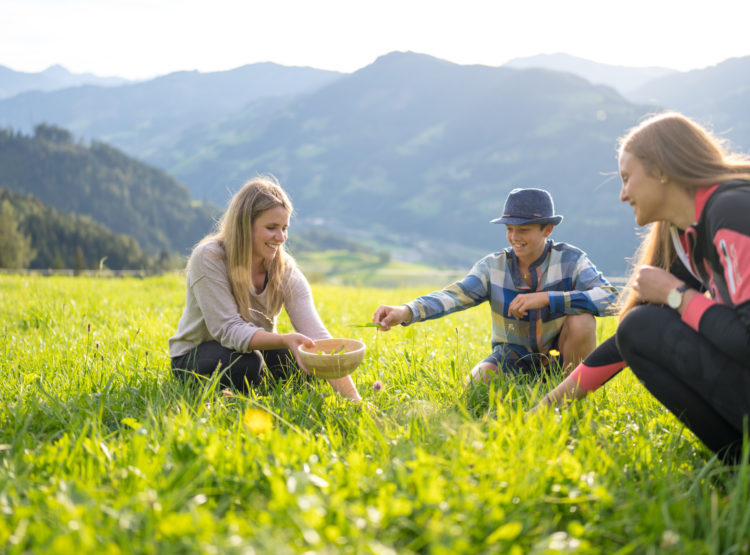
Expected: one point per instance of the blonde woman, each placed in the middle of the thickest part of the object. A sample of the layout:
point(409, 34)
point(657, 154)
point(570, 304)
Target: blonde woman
point(691, 352)
point(238, 279)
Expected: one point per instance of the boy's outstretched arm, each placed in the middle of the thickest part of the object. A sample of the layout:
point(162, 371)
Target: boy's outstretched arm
point(388, 316)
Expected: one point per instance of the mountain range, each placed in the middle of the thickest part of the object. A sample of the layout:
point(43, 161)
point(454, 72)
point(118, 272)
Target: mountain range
point(53, 78)
point(415, 152)
point(625, 80)
point(138, 116)
point(417, 146)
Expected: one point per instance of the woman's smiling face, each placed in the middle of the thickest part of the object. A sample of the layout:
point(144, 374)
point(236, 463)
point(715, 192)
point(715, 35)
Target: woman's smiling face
point(642, 190)
point(270, 232)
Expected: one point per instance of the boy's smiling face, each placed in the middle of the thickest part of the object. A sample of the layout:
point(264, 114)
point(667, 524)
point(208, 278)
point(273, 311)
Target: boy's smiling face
point(528, 240)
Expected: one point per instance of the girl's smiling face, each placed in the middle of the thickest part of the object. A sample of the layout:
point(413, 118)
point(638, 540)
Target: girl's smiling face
point(270, 232)
point(642, 190)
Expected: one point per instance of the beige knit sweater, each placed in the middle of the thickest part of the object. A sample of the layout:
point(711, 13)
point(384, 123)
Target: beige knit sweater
point(211, 313)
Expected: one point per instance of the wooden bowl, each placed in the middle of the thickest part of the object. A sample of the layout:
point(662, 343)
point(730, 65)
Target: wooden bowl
point(332, 358)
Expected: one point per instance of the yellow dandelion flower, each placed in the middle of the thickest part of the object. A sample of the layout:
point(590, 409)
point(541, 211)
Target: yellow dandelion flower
point(554, 353)
point(131, 422)
point(257, 421)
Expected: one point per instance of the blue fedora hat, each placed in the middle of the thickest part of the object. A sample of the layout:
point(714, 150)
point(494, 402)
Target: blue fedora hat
point(528, 206)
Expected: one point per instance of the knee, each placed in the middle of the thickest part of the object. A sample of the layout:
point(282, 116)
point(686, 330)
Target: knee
point(579, 327)
point(482, 373)
point(634, 327)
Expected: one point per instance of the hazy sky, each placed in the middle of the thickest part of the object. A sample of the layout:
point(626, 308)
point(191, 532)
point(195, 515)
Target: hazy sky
point(144, 38)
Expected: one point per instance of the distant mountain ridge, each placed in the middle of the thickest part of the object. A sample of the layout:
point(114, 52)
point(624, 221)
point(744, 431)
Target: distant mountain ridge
point(718, 96)
point(53, 78)
point(141, 116)
point(622, 78)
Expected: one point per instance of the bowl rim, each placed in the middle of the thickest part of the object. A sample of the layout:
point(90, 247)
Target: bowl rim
point(360, 347)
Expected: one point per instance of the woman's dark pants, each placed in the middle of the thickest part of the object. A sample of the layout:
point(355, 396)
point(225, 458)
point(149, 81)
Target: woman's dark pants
point(706, 390)
point(238, 370)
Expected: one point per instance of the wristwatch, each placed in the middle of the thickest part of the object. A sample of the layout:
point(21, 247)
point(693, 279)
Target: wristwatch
point(674, 297)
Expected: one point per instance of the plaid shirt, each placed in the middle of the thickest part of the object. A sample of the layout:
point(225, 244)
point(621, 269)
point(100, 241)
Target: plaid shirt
point(573, 283)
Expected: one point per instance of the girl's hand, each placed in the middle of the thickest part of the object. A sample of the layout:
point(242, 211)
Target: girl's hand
point(653, 284)
point(293, 341)
point(568, 390)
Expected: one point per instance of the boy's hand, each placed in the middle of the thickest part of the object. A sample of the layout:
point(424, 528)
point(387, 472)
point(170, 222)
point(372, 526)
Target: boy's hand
point(527, 301)
point(388, 316)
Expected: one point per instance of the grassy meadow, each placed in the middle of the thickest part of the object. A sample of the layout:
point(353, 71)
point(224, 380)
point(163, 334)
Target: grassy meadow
point(368, 269)
point(102, 451)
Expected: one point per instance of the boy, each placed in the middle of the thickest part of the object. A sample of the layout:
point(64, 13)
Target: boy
point(543, 295)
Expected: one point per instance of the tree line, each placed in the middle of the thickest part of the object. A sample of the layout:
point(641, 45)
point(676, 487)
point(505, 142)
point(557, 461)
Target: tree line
point(35, 235)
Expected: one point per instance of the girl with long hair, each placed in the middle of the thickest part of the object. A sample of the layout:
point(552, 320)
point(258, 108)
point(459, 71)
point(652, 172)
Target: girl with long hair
point(238, 279)
point(690, 350)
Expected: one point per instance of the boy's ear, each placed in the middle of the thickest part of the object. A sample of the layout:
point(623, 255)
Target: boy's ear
point(547, 229)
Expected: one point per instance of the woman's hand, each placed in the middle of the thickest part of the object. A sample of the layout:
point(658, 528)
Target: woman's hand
point(653, 284)
point(293, 341)
point(568, 390)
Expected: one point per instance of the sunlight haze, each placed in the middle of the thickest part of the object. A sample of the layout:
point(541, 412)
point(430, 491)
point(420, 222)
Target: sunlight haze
point(139, 39)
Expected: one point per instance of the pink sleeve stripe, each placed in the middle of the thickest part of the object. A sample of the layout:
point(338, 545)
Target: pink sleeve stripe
point(694, 310)
point(592, 377)
point(734, 253)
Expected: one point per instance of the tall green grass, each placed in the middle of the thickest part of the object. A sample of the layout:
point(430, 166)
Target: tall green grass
point(102, 451)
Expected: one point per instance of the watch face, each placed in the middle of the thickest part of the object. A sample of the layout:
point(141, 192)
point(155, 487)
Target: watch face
point(674, 299)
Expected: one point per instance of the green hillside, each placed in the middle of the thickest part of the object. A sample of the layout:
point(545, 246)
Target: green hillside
point(105, 185)
point(369, 269)
point(70, 241)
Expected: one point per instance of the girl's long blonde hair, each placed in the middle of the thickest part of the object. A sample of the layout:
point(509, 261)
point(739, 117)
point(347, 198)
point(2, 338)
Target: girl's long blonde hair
point(656, 249)
point(675, 147)
point(235, 234)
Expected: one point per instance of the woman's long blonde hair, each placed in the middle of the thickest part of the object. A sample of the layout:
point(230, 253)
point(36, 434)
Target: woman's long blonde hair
point(235, 234)
point(656, 249)
point(675, 147)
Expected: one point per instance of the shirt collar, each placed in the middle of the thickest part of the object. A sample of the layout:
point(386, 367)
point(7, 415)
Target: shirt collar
point(538, 261)
point(701, 198)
